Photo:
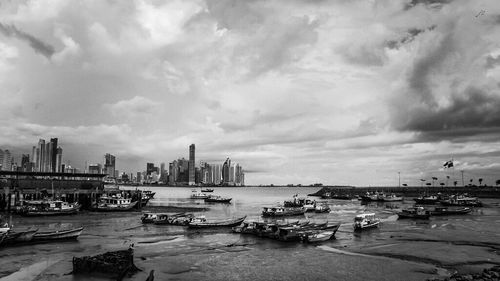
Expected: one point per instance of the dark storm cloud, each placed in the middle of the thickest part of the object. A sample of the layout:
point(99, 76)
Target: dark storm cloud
point(491, 61)
point(408, 37)
point(472, 113)
point(38, 45)
point(428, 3)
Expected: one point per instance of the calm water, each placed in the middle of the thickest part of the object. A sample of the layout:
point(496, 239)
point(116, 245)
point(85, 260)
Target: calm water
point(398, 250)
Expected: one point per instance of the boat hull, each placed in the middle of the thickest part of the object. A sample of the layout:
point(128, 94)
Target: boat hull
point(116, 209)
point(70, 234)
point(226, 223)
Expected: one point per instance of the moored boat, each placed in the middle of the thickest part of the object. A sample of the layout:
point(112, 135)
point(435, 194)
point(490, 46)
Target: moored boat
point(48, 208)
point(323, 208)
point(462, 200)
point(364, 221)
point(174, 219)
point(218, 199)
point(389, 198)
point(114, 204)
point(414, 213)
point(67, 234)
point(207, 190)
point(202, 222)
point(428, 199)
point(282, 211)
point(319, 236)
point(443, 211)
point(198, 195)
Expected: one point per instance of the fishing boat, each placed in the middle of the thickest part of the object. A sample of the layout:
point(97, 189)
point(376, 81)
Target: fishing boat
point(48, 208)
point(443, 211)
point(202, 222)
point(428, 199)
point(319, 236)
point(367, 220)
point(300, 233)
point(414, 213)
point(323, 208)
point(462, 200)
point(149, 217)
point(4, 226)
point(174, 219)
point(389, 198)
point(198, 195)
point(304, 202)
point(368, 197)
point(217, 199)
point(58, 234)
point(207, 190)
point(16, 237)
point(150, 194)
point(114, 203)
point(282, 211)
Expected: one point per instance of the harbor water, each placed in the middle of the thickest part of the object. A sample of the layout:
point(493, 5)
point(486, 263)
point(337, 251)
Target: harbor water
point(397, 250)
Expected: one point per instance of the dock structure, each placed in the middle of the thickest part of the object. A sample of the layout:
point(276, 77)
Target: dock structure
point(83, 188)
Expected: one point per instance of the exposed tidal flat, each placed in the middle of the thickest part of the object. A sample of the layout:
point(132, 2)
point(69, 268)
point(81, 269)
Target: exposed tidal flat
point(397, 250)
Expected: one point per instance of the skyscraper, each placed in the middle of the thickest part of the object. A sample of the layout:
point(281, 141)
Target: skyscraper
point(226, 171)
point(40, 155)
point(191, 172)
point(109, 164)
point(53, 155)
point(25, 159)
point(59, 152)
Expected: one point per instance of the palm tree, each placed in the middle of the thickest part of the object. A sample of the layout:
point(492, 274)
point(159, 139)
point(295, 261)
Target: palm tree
point(428, 184)
point(480, 181)
point(497, 182)
point(455, 183)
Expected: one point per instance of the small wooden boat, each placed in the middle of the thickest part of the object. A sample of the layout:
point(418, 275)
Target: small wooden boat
point(389, 198)
point(114, 204)
point(443, 211)
point(199, 195)
point(201, 222)
point(364, 221)
point(427, 199)
point(58, 235)
point(323, 208)
point(48, 208)
point(414, 213)
point(299, 233)
point(462, 200)
point(282, 211)
point(217, 199)
point(175, 219)
point(207, 190)
point(320, 236)
point(114, 264)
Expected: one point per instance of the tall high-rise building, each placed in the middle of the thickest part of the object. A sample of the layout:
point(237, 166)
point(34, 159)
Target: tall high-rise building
point(41, 154)
point(34, 156)
point(59, 152)
point(53, 155)
point(25, 159)
point(150, 167)
point(6, 160)
point(109, 164)
point(226, 170)
point(46, 157)
point(191, 172)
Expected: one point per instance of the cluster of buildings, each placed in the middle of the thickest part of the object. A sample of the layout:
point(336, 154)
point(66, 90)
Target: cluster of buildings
point(47, 157)
point(185, 172)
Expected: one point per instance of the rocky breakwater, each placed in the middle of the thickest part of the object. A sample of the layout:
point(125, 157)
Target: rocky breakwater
point(491, 274)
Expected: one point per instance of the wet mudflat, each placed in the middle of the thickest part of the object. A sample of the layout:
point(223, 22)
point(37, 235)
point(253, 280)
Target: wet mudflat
point(398, 250)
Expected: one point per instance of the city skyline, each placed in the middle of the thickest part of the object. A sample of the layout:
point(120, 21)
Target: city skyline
point(335, 92)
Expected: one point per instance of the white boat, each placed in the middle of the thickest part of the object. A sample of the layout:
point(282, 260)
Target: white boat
point(320, 236)
point(199, 195)
point(367, 220)
point(48, 208)
point(114, 203)
point(323, 208)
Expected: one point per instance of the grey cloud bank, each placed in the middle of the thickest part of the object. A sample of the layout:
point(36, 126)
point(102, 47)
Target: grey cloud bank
point(296, 91)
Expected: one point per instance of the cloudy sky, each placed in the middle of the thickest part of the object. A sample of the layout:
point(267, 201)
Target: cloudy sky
point(338, 92)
